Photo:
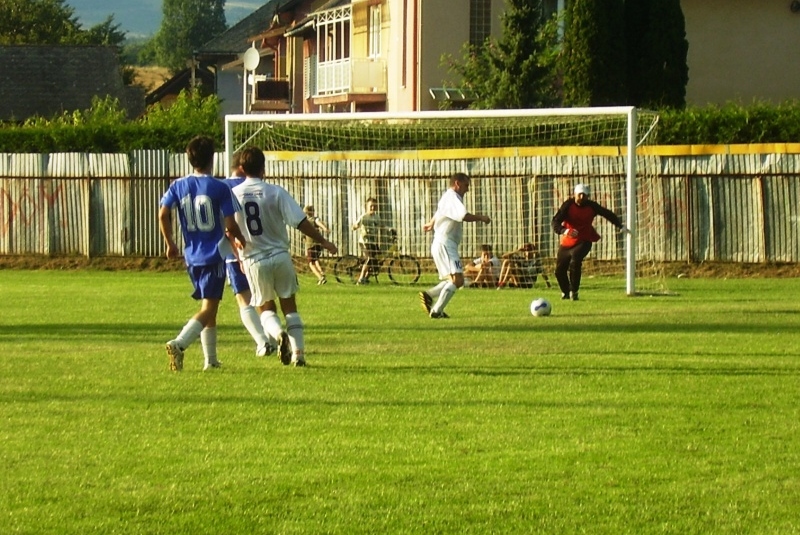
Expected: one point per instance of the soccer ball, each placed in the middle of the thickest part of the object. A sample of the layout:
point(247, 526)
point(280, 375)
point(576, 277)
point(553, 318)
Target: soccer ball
point(541, 307)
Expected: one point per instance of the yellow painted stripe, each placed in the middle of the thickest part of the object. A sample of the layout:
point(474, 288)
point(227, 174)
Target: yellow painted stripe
point(510, 152)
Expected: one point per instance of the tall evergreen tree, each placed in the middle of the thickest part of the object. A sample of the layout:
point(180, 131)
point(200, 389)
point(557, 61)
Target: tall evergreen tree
point(657, 49)
point(517, 70)
point(187, 24)
point(593, 57)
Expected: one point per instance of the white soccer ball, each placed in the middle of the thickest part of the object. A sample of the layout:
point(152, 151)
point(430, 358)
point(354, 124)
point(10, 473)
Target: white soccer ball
point(541, 307)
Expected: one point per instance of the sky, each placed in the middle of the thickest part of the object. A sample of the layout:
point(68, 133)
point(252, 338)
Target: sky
point(142, 18)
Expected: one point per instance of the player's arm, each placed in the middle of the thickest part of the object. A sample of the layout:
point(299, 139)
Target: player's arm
point(609, 215)
point(307, 228)
point(232, 230)
point(557, 223)
point(427, 227)
point(471, 218)
point(165, 226)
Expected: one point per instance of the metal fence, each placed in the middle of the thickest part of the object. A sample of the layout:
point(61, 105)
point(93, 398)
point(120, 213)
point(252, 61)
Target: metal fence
point(725, 207)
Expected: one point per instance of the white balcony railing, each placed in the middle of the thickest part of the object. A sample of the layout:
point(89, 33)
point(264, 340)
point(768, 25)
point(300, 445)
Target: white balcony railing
point(351, 75)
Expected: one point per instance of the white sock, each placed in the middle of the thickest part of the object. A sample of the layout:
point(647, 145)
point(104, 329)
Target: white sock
point(189, 333)
point(271, 325)
point(436, 290)
point(444, 297)
point(208, 339)
point(294, 328)
point(252, 323)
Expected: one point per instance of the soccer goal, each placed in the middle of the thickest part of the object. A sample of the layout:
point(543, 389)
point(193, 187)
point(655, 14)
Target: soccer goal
point(523, 165)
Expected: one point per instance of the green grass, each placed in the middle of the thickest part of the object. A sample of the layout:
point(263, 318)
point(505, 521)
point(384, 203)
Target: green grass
point(615, 415)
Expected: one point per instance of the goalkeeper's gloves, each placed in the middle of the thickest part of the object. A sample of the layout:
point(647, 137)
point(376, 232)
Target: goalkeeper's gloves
point(624, 230)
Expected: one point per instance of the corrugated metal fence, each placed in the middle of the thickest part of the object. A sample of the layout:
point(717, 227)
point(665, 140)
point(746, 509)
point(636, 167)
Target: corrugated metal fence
point(720, 207)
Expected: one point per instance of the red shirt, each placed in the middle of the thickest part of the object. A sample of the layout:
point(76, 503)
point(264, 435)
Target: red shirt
point(580, 218)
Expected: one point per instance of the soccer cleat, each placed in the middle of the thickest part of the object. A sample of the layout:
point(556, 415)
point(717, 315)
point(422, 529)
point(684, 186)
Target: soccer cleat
point(265, 350)
point(298, 362)
point(439, 315)
point(426, 301)
point(362, 282)
point(175, 354)
point(284, 349)
point(322, 281)
point(564, 296)
point(574, 296)
point(212, 365)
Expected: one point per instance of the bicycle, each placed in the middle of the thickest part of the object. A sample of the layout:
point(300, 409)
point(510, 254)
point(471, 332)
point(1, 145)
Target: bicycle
point(401, 268)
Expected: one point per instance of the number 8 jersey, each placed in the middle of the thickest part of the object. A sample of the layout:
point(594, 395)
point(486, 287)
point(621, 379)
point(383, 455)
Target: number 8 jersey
point(266, 210)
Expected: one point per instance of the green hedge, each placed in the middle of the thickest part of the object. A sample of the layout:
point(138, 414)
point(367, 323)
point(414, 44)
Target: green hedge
point(103, 129)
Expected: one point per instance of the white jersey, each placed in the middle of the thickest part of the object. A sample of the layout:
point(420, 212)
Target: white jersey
point(449, 218)
point(266, 211)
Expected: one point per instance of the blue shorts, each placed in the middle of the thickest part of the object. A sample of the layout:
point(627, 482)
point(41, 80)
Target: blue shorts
point(236, 278)
point(208, 281)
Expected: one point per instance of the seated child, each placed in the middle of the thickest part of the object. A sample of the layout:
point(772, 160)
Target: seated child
point(521, 268)
point(482, 272)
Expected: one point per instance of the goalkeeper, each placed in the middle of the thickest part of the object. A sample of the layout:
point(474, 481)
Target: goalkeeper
point(573, 222)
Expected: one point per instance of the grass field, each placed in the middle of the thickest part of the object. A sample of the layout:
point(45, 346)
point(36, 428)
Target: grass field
point(615, 415)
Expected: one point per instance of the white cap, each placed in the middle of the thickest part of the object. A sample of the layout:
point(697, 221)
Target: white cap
point(583, 188)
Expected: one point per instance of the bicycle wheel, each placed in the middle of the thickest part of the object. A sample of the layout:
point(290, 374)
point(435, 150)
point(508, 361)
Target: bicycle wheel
point(404, 269)
point(347, 269)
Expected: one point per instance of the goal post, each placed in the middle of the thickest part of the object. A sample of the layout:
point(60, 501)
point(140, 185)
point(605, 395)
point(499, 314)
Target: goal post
point(523, 164)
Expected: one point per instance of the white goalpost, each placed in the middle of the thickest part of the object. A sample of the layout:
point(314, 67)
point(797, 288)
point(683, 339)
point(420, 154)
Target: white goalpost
point(523, 165)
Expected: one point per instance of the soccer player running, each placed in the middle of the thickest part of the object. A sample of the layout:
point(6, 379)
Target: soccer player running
point(265, 345)
point(447, 225)
point(573, 222)
point(266, 211)
point(206, 210)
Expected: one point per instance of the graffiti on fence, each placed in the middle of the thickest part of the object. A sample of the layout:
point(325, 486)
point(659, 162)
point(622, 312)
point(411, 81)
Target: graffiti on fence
point(21, 206)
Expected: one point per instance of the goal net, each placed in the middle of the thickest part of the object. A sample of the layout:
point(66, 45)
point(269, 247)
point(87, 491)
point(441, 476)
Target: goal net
point(523, 165)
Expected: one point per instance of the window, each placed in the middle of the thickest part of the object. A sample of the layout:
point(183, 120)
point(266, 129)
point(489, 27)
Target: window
point(480, 21)
point(374, 50)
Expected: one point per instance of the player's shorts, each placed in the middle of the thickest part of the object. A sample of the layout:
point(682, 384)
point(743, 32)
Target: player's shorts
point(272, 277)
point(313, 252)
point(208, 281)
point(445, 256)
point(236, 278)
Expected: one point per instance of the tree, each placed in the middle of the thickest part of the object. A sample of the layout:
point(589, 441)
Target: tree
point(657, 50)
point(517, 70)
point(51, 22)
point(187, 25)
point(47, 22)
point(593, 58)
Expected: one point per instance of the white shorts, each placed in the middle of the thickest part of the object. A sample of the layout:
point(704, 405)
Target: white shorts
point(271, 277)
point(445, 256)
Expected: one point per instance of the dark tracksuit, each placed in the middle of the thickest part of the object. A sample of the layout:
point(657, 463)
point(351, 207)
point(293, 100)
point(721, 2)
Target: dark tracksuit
point(572, 251)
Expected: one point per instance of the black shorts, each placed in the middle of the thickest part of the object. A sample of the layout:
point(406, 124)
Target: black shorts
point(313, 252)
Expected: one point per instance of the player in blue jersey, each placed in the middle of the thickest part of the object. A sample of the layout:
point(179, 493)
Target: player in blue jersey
point(267, 210)
point(206, 211)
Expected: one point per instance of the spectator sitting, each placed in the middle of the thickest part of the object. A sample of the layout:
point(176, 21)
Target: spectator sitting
point(483, 272)
point(521, 268)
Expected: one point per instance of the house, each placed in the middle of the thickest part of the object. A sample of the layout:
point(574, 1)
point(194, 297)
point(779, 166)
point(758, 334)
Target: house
point(742, 50)
point(46, 80)
point(373, 55)
point(223, 56)
point(386, 55)
point(337, 55)
point(189, 78)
